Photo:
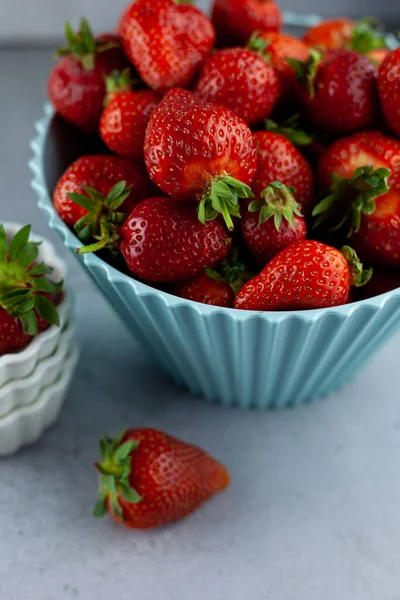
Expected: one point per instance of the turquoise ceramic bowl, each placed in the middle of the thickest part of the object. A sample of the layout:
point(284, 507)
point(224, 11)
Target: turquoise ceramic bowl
point(232, 357)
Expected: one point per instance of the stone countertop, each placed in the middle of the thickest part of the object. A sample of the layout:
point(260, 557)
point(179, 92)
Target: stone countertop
point(313, 510)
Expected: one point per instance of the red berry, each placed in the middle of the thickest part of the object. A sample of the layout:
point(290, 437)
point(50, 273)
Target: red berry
point(339, 90)
point(76, 85)
point(206, 290)
point(164, 241)
point(305, 275)
point(236, 20)
point(279, 160)
point(272, 223)
point(149, 478)
point(240, 80)
point(166, 42)
point(102, 174)
point(197, 151)
point(389, 89)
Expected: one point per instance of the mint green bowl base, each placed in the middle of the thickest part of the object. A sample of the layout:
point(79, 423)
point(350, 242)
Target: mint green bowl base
point(231, 357)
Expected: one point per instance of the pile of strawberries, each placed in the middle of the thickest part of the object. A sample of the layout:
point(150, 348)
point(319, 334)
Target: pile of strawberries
point(243, 167)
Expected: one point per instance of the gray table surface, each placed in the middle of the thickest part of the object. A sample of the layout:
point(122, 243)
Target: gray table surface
point(313, 510)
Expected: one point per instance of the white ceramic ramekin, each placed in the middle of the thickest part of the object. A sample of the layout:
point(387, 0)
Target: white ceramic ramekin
point(25, 425)
point(22, 392)
point(22, 364)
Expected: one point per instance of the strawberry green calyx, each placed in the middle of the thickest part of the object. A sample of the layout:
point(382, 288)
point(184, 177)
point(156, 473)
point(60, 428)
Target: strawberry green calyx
point(359, 275)
point(290, 129)
point(222, 197)
point(367, 37)
point(115, 470)
point(277, 201)
point(231, 271)
point(306, 70)
point(83, 45)
point(184, 1)
point(258, 45)
point(349, 199)
point(119, 81)
point(23, 281)
point(101, 211)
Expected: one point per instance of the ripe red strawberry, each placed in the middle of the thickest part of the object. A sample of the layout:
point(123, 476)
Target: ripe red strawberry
point(240, 80)
point(167, 42)
point(95, 188)
point(279, 160)
point(27, 295)
point(339, 90)
point(163, 241)
point(361, 178)
point(125, 117)
point(389, 89)
point(206, 290)
point(266, 236)
point(149, 479)
point(236, 20)
point(303, 276)
point(345, 34)
point(277, 48)
point(76, 85)
point(198, 151)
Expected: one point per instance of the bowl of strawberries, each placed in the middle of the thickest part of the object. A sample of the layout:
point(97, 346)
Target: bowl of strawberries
point(231, 188)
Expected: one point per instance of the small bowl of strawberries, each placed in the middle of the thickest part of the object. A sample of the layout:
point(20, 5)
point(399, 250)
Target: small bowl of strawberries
point(232, 190)
point(37, 348)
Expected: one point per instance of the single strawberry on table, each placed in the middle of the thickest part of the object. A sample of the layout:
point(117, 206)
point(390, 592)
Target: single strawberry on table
point(27, 294)
point(338, 90)
point(303, 276)
point(97, 188)
point(240, 80)
point(76, 85)
point(280, 160)
point(126, 115)
point(166, 41)
point(236, 20)
point(389, 89)
point(201, 152)
point(272, 222)
point(360, 176)
point(163, 241)
point(149, 479)
point(345, 34)
point(277, 48)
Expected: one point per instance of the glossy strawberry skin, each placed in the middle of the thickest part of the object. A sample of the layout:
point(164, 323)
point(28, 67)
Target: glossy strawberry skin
point(163, 241)
point(236, 20)
point(345, 98)
point(389, 89)
point(77, 94)
point(303, 276)
point(241, 81)
point(124, 121)
point(12, 336)
point(281, 47)
point(101, 173)
point(172, 477)
point(205, 290)
point(166, 42)
point(378, 239)
point(332, 34)
point(189, 142)
point(265, 241)
point(279, 160)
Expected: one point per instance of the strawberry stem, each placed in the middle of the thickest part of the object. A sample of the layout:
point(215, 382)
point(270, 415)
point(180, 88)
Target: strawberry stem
point(349, 199)
point(290, 129)
point(367, 37)
point(222, 197)
point(23, 281)
point(359, 275)
point(258, 45)
point(306, 71)
point(115, 470)
point(277, 200)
